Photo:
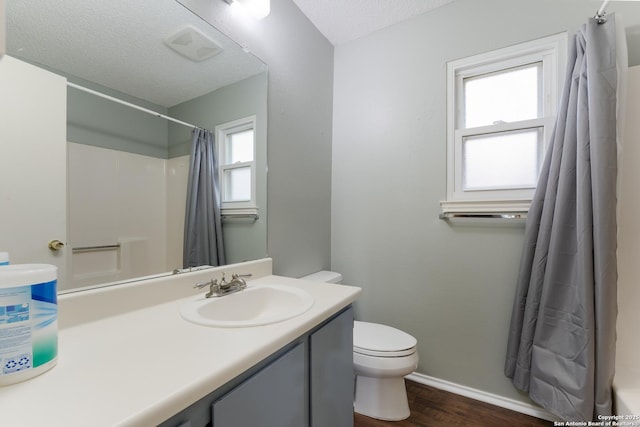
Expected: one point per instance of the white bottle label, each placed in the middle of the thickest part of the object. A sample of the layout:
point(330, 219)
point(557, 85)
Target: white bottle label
point(28, 327)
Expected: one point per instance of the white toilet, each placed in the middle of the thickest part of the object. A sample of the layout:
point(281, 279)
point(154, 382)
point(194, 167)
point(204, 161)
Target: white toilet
point(382, 356)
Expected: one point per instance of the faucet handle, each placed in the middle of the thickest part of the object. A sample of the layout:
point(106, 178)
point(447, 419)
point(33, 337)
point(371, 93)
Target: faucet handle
point(200, 285)
point(238, 279)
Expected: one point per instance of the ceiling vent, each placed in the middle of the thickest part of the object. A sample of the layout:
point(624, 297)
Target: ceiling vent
point(193, 44)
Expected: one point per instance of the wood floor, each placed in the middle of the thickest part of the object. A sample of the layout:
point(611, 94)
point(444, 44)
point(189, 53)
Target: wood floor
point(433, 408)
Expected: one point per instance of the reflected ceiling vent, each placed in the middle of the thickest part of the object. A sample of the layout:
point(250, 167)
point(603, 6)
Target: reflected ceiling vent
point(193, 44)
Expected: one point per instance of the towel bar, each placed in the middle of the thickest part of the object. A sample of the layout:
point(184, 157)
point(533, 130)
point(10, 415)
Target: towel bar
point(95, 248)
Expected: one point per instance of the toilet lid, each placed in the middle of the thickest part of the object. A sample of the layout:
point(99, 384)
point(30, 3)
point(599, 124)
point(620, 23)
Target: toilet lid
point(381, 340)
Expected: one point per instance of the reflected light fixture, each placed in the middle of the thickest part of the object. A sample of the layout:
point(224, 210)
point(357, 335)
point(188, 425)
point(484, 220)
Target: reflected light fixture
point(257, 8)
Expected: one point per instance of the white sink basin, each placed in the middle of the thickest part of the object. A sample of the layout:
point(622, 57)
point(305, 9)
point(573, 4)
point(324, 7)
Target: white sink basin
point(253, 306)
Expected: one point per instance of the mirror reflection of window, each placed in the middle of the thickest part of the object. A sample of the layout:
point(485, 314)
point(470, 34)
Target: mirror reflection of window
point(237, 165)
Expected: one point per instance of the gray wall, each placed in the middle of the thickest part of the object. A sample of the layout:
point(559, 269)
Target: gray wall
point(300, 100)
point(451, 286)
point(102, 123)
point(245, 98)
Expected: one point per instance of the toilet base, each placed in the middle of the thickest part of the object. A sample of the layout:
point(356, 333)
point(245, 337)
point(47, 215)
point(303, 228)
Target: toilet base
point(381, 398)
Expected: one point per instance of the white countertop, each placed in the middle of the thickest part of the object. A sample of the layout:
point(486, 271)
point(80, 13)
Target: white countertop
point(140, 367)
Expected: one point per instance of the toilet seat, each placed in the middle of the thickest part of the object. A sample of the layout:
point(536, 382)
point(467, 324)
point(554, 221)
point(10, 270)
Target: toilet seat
point(401, 353)
point(373, 339)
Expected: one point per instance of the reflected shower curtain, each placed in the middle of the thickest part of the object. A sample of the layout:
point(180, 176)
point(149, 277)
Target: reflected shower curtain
point(561, 347)
point(203, 244)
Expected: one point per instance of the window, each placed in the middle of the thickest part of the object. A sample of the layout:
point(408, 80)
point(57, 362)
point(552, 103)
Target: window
point(237, 166)
point(501, 108)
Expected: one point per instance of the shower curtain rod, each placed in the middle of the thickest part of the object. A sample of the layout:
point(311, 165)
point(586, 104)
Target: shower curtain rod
point(601, 12)
point(128, 104)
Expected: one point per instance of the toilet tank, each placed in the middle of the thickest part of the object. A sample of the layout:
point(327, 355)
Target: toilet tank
point(324, 276)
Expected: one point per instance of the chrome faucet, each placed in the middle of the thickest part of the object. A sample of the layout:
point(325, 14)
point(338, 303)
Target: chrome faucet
point(213, 287)
point(238, 280)
point(218, 289)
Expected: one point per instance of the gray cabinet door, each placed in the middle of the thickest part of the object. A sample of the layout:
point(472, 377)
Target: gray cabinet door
point(274, 397)
point(331, 388)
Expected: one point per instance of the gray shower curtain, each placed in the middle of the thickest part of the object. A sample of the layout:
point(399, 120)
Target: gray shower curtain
point(203, 244)
point(561, 347)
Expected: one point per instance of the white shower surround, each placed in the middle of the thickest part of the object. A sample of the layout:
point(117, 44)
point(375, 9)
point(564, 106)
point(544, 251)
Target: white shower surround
point(128, 199)
point(627, 380)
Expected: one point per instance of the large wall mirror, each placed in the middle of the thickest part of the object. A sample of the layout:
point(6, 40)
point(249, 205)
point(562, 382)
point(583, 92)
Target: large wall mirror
point(123, 202)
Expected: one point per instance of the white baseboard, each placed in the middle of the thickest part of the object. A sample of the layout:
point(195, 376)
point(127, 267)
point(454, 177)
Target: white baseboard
point(483, 396)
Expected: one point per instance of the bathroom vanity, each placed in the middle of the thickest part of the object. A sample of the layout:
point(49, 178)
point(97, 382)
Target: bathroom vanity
point(127, 358)
point(307, 383)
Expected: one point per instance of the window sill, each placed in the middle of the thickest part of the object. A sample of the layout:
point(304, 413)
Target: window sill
point(238, 213)
point(482, 212)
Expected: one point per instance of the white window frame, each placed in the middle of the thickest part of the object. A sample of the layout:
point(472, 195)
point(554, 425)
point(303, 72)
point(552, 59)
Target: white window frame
point(551, 51)
point(230, 208)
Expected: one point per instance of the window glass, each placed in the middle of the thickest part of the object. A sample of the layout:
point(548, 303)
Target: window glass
point(237, 184)
point(501, 160)
point(240, 147)
point(505, 96)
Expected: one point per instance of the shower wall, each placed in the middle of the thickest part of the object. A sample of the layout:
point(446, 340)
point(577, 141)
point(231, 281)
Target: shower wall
point(177, 180)
point(102, 182)
point(628, 343)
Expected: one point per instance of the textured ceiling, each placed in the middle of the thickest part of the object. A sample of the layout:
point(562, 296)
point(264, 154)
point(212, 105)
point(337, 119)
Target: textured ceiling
point(342, 21)
point(119, 44)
